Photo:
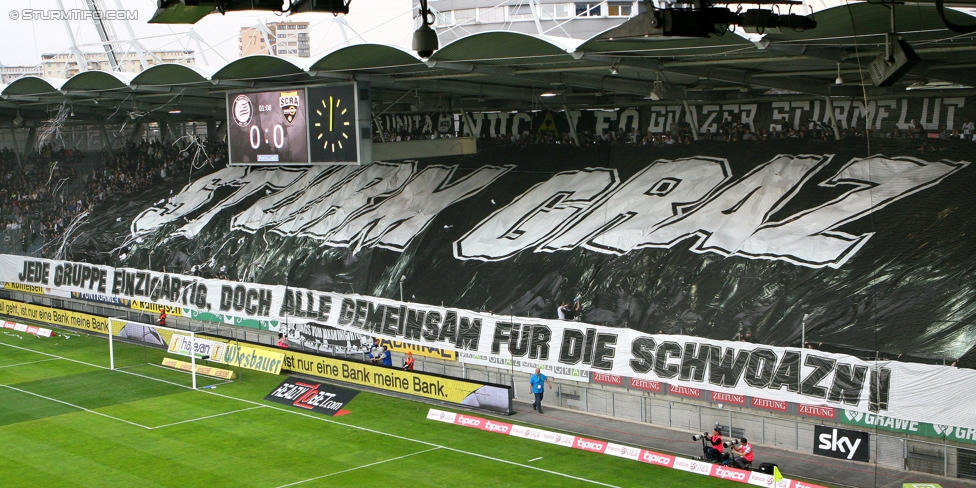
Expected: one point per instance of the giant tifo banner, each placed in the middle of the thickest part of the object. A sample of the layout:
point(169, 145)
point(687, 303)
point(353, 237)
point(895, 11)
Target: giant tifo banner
point(690, 202)
point(825, 236)
point(806, 376)
point(883, 115)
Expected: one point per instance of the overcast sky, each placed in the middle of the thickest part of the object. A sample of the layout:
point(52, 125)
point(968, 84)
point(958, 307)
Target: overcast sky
point(377, 21)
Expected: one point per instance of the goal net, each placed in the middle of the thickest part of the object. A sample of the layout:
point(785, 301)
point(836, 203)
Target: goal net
point(173, 355)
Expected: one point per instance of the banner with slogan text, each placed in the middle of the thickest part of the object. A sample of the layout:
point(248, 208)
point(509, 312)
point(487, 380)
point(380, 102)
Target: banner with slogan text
point(931, 114)
point(325, 339)
point(896, 389)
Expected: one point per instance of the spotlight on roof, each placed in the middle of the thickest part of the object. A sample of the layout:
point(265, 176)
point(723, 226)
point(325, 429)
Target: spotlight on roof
point(891, 65)
point(658, 92)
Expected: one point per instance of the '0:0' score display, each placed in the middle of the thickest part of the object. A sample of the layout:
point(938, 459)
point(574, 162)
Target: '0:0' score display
point(267, 127)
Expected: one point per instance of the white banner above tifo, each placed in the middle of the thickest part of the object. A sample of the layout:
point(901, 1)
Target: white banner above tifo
point(803, 376)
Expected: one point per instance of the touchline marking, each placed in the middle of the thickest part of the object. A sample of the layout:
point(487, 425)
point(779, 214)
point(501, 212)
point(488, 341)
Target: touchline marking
point(207, 417)
point(31, 362)
point(358, 467)
point(536, 459)
point(76, 406)
point(330, 421)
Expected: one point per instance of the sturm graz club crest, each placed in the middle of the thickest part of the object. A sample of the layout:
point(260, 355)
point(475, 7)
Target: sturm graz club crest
point(288, 101)
point(242, 110)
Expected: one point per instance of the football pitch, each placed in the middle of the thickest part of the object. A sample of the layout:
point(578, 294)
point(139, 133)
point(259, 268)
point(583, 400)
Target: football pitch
point(68, 420)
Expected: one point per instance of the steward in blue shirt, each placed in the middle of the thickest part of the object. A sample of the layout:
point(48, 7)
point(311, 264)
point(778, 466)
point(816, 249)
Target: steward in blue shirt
point(538, 381)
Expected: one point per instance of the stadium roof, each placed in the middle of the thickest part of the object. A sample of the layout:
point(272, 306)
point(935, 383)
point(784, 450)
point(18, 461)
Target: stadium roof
point(509, 71)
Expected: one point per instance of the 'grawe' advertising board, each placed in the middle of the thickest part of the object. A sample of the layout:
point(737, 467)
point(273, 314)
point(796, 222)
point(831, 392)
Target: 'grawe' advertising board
point(902, 426)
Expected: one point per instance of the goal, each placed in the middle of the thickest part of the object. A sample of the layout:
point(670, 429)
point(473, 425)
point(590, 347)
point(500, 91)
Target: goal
point(173, 355)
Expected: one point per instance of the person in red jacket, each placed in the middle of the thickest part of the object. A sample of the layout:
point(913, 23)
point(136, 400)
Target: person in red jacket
point(713, 452)
point(408, 362)
point(742, 454)
point(162, 317)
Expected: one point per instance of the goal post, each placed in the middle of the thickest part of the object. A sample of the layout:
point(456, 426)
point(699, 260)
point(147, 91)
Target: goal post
point(146, 347)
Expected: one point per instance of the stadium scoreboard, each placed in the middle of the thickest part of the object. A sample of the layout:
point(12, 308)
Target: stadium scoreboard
point(327, 124)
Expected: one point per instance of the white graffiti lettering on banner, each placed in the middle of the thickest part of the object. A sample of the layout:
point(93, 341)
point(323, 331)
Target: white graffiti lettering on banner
point(386, 205)
point(697, 198)
point(383, 204)
point(881, 115)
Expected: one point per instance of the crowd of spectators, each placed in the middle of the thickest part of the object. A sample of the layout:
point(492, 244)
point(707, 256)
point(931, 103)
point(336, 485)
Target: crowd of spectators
point(31, 198)
point(403, 135)
point(43, 194)
point(139, 166)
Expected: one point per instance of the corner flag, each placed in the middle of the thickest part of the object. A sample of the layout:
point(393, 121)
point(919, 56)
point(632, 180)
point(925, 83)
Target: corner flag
point(777, 476)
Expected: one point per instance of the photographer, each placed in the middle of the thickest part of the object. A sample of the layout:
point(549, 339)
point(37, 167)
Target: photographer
point(742, 454)
point(713, 452)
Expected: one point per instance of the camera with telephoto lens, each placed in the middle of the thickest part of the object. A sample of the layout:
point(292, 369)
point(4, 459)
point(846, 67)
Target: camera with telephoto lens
point(703, 435)
point(728, 444)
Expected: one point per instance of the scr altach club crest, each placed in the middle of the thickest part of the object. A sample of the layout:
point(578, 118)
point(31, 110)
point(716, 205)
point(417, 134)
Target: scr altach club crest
point(289, 103)
point(242, 111)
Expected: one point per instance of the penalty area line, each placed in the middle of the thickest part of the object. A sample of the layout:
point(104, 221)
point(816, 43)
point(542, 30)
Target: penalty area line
point(207, 417)
point(359, 467)
point(30, 362)
point(329, 420)
point(76, 406)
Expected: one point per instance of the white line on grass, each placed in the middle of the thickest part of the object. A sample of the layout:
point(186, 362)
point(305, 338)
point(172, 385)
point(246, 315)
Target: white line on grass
point(359, 467)
point(536, 459)
point(207, 417)
point(76, 406)
point(331, 421)
point(31, 362)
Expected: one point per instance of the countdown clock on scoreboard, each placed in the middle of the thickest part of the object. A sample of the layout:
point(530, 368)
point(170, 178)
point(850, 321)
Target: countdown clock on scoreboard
point(268, 127)
point(333, 123)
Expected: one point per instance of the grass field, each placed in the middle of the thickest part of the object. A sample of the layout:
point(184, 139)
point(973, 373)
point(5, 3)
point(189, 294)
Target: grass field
point(68, 420)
